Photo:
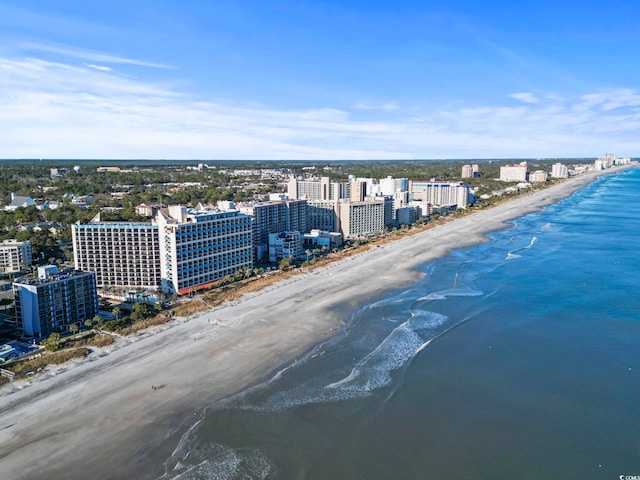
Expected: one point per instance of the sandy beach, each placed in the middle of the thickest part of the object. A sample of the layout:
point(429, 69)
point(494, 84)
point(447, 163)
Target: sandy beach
point(100, 418)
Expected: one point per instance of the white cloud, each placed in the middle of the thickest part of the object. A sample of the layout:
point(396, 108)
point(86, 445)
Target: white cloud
point(373, 106)
point(57, 110)
point(88, 55)
point(102, 68)
point(525, 97)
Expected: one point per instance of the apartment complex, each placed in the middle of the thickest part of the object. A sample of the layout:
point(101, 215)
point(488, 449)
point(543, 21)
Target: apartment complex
point(320, 189)
point(539, 176)
point(273, 217)
point(514, 173)
point(54, 300)
point(122, 254)
point(441, 194)
point(15, 256)
point(200, 247)
point(470, 171)
point(558, 170)
point(285, 245)
point(364, 218)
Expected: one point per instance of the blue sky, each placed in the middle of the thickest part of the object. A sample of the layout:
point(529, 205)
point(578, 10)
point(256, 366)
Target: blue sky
point(319, 79)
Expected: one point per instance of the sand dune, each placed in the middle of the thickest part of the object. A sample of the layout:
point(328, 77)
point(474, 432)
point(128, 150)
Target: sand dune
point(102, 418)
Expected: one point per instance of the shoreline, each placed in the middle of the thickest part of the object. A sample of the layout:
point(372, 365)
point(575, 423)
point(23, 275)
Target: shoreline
point(102, 419)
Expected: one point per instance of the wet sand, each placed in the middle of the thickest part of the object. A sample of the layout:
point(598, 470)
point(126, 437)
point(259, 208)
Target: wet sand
point(102, 418)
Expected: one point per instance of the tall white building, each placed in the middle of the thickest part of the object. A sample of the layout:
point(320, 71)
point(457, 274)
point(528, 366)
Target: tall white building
point(467, 171)
point(441, 194)
point(199, 248)
point(15, 256)
point(321, 189)
point(558, 170)
point(121, 254)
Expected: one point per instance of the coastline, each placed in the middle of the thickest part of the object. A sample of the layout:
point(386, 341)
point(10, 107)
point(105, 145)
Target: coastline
point(101, 418)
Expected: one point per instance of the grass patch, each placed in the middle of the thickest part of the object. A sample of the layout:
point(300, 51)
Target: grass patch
point(186, 309)
point(47, 358)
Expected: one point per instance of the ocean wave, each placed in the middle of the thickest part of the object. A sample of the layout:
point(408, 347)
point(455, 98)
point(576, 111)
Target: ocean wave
point(400, 346)
point(396, 299)
point(372, 372)
point(217, 462)
point(461, 291)
point(511, 256)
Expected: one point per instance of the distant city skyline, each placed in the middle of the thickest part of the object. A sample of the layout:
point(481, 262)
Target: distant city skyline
point(318, 80)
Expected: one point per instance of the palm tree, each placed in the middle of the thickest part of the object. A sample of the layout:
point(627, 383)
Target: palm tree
point(73, 328)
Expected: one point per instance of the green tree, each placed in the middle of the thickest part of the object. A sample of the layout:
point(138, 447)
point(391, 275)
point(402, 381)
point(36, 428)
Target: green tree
point(52, 343)
point(285, 264)
point(141, 311)
point(73, 328)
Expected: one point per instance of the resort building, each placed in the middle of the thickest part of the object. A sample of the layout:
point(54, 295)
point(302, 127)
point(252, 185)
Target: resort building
point(199, 248)
point(323, 215)
point(470, 171)
point(365, 218)
point(273, 217)
point(406, 216)
point(558, 170)
point(121, 254)
point(15, 256)
point(322, 238)
point(285, 245)
point(54, 301)
point(318, 189)
point(391, 186)
point(514, 173)
point(539, 176)
point(441, 194)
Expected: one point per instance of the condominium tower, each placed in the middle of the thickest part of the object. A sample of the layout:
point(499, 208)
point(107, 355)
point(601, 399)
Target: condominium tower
point(54, 301)
point(200, 247)
point(122, 254)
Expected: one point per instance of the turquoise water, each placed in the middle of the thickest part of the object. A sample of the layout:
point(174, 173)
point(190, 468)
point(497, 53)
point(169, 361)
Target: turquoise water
point(517, 358)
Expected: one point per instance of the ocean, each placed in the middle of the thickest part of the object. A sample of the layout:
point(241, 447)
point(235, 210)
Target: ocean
point(518, 358)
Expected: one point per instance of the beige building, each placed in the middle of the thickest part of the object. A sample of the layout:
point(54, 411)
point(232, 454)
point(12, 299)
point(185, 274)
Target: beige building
point(440, 194)
point(365, 218)
point(514, 173)
point(539, 176)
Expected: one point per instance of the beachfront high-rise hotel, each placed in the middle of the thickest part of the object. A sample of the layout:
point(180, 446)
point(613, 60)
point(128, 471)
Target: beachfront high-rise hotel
point(198, 248)
point(181, 250)
point(122, 254)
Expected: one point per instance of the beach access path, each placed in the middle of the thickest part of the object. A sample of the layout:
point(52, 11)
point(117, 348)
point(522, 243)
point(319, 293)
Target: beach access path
point(121, 415)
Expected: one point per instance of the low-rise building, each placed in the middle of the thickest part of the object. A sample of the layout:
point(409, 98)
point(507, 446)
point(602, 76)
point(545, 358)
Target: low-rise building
point(15, 256)
point(285, 245)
